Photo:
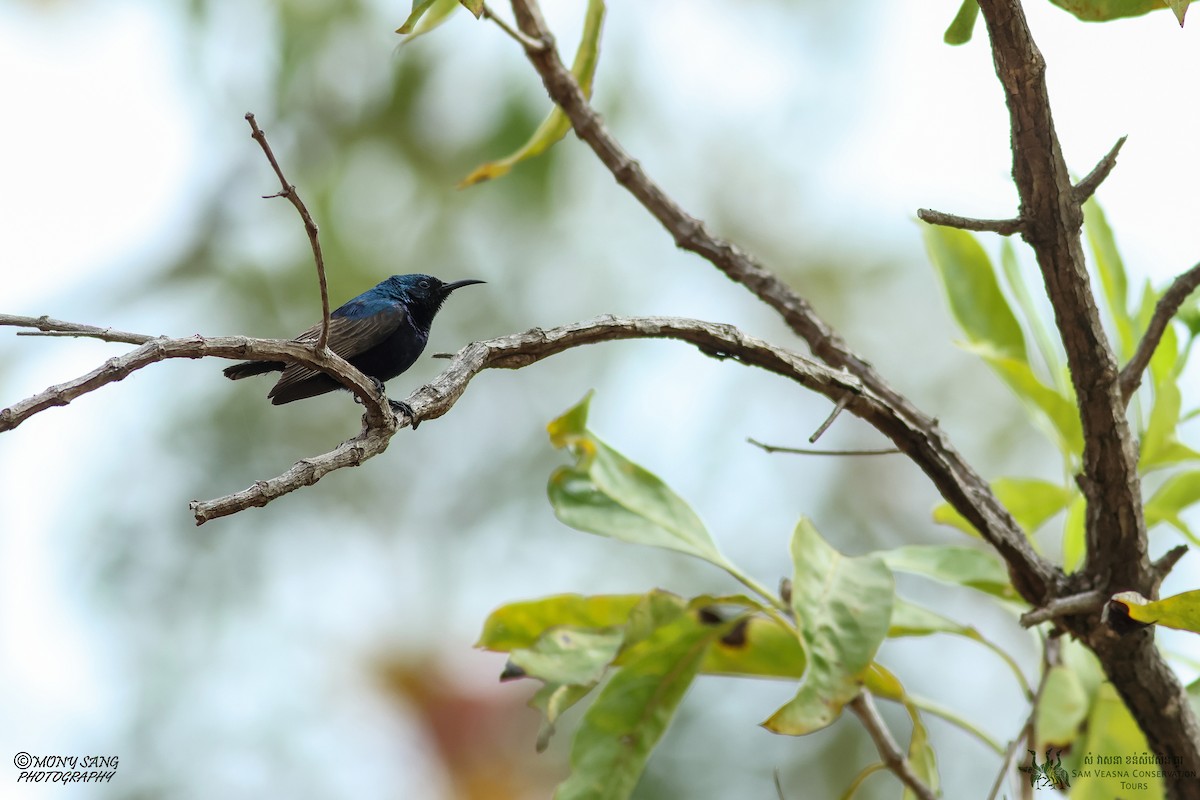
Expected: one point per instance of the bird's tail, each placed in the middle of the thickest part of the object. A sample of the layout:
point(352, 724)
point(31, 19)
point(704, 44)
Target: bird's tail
point(248, 368)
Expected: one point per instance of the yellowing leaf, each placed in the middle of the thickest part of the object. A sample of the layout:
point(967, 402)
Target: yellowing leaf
point(1181, 611)
point(556, 125)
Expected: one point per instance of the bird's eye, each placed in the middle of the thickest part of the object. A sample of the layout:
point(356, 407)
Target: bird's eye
point(423, 283)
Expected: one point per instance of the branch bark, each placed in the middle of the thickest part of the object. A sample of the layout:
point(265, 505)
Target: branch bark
point(1034, 577)
point(864, 708)
point(1052, 215)
point(1167, 307)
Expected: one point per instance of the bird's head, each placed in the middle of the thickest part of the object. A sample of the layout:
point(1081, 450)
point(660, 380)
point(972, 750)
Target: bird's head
point(424, 294)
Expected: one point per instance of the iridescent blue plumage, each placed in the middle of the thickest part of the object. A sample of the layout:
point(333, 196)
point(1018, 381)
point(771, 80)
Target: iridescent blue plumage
point(382, 332)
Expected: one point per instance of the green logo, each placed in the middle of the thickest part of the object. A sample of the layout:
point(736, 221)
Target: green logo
point(1048, 775)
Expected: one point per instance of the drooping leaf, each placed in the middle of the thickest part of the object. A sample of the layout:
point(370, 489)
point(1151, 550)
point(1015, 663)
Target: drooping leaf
point(474, 6)
point(1178, 492)
point(963, 25)
point(419, 7)
point(1180, 611)
point(556, 125)
point(431, 18)
point(1048, 345)
point(553, 700)
point(609, 495)
point(520, 624)
point(1075, 534)
point(632, 711)
point(1059, 408)
point(953, 565)
point(843, 607)
point(1062, 707)
point(1031, 501)
point(1160, 444)
point(921, 756)
point(910, 619)
point(1111, 269)
point(567, 655)
point(976, 301)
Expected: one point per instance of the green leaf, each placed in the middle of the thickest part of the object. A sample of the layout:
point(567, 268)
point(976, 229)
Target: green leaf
point(1178, 492)
point(552, 700)
point(1031, 501)
point(1160, 445)
point(1059, 408)
point(1180, 611)
point(632, 711)
point(607, 494)
point(1047, 345)
point(953, 565)
point(1111, 269)
point(963, 25)
point(1062, 707)
point(1105, 10)
point(756, 646)
point(419, 7)
point(1111, 730)
point(518, 625)
point(974, 294)
point(843, 608)
point(921, 757)
point(910, 619)
point(474, 6)
point(1075, 534)
point(566, 655)
point(556, 125)
point(434, 16)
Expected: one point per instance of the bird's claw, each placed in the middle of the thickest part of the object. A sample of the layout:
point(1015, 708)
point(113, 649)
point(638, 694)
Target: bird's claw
point(400, 405)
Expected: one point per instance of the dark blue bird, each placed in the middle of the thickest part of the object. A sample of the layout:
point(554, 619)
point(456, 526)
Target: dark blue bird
point(382, 332)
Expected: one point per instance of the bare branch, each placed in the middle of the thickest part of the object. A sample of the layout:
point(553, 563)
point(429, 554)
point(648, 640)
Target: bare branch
point(838, 408)
point(47, 326)
point(1082, 603)
point(771, 448)
point(310, 227)
point(1091, 182)
point(955, 479)
point(157, 349)
point(1004, 227)
point(864, 708)
point(1168, 305)
point(1164, 565)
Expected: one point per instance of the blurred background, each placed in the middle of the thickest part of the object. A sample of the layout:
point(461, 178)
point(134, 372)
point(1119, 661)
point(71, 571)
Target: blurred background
point(321, 647)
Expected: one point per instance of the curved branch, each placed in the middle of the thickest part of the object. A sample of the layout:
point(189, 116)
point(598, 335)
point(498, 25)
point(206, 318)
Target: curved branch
point(1033, 576)
point(1168, 305)
point(288, 191)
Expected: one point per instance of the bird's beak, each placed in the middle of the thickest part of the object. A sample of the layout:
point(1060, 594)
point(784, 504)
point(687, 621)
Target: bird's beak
point(447, 288)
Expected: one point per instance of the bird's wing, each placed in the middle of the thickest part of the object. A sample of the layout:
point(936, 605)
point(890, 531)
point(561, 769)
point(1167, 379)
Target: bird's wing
point(348, 337)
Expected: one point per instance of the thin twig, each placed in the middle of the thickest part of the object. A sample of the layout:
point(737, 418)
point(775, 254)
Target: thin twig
point(310, 227)
point(864, 708)
point(771, 448)
point(1166, 308)
point(1163, 566)
point(1082, 603)
point(529, 43)
point(838, 408)
point(1004, 227)
point(1091, 182)
point(56, 327)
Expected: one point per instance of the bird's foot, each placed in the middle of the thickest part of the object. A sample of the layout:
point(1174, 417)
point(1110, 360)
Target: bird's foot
point(400, 405)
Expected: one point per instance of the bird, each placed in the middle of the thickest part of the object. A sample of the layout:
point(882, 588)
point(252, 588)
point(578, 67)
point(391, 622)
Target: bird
point(381, 332)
